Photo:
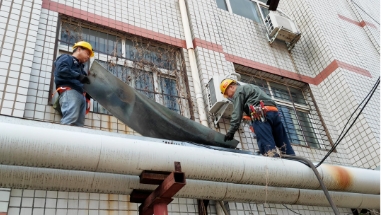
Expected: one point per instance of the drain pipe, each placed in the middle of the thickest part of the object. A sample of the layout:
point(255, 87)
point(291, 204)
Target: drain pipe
point(82, 181)
point(193, 64)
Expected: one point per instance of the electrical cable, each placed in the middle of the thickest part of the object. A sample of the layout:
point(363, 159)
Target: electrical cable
point(223, 207)
point(374, 86)
point(365, 12)
point(291, 210)
point(322, 185)
point(341, 137)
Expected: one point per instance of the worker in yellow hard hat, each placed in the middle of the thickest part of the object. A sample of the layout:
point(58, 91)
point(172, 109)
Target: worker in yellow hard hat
point(69, 77)
point(264, 114)
point(225, 84)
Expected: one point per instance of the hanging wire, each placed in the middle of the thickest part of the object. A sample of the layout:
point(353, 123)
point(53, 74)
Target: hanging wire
point(341, 136)
point(365, 12)
point(322, 185)
point(291, 210)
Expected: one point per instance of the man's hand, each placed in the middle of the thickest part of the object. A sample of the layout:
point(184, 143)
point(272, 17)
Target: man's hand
point(84, 79)
point(229, 136)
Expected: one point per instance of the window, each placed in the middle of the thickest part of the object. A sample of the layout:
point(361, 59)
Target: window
point(152, 70)
point(159, 57)
point(297, 112)
point(298, 126)
point(251, 9)
point(101, 42)
point(245, 8)
point(169, 93)
point(222, 4)
point(282, 92)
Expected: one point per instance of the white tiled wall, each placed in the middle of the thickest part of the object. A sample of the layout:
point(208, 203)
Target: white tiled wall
point(160, 16)
point(368, 11)
point(341, 93)
point(18, 31)
point(40, 202)
point(4, 199)
point(266, 208)
point(53, 202)
point(39, 85)
point(313, 44)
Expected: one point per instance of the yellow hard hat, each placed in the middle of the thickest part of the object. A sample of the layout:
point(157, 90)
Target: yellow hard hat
point(225, 84)
point(85, 45)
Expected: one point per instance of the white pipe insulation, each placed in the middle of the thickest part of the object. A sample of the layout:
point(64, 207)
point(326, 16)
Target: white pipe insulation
point(193, 64)
point(59, 148)
point(81, 181)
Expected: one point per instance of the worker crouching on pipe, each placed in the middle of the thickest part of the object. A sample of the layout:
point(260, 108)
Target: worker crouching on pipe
point(264, 114)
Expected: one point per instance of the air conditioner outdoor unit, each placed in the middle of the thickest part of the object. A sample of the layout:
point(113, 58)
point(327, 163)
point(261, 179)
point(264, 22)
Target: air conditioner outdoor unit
point(219, 106)
point(280, 27)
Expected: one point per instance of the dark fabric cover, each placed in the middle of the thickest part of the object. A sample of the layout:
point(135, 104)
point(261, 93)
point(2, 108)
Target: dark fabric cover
point(145, 116)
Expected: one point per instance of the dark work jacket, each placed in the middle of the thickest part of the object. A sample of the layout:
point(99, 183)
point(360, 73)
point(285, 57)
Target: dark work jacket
point(66, 72)
point(244, 96)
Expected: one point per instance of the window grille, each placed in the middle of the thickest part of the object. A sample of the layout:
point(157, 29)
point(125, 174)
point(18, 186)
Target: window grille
point(151, 69)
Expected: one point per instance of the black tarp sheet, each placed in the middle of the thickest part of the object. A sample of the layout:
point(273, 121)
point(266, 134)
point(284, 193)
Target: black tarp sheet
point(144, 115)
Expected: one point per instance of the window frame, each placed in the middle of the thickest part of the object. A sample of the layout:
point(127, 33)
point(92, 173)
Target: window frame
point(156, 74)
point(258, 4)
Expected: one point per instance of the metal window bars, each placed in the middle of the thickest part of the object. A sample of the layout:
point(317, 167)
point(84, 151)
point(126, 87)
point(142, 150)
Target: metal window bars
point(153, 69)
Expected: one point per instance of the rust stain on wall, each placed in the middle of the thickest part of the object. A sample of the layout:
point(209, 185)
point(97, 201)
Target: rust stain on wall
point(109, 123)
point(112, 200)
point(342, 176)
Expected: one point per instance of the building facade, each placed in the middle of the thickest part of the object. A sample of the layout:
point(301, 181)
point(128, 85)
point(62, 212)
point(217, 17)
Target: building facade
point(318, 84)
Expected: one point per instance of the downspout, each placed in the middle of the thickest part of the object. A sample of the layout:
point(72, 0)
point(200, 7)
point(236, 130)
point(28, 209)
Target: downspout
point(193, 64)
point(64, 148)
point(81, 181)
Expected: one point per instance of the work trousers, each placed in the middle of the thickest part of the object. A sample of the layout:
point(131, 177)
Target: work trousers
point(271, 133)
point(73, 108)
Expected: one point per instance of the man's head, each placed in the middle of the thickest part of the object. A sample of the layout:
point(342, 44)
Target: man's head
point(83, 51)
point(228, 87)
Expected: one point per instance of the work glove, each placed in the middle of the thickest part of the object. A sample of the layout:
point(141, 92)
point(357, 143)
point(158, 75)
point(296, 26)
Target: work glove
point(229, 136)
point(84, 79)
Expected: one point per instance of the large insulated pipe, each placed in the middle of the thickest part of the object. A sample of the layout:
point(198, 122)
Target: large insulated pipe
point(66, 149)
point(193, 64)
point(81, 181)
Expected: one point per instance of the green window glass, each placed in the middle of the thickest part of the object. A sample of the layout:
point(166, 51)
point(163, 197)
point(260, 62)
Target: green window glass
point(245, 8)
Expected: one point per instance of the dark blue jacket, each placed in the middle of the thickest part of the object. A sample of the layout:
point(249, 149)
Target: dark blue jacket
point(66, 72)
